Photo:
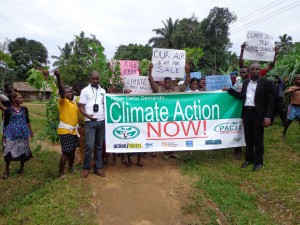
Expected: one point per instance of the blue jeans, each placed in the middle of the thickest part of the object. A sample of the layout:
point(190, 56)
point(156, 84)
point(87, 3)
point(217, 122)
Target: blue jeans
point(94, 135)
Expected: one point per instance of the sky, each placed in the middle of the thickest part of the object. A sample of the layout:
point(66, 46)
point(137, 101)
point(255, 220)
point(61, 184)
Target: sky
point(116, 22)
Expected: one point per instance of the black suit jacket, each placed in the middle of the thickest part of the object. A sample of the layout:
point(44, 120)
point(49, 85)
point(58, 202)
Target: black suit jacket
point(264, 99)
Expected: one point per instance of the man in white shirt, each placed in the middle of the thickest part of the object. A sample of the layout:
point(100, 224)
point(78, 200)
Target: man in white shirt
point(91, 105)
point(258, 107)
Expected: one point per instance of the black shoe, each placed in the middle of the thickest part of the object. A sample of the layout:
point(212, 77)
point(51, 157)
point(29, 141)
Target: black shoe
point(245, 164)
point(257, 167)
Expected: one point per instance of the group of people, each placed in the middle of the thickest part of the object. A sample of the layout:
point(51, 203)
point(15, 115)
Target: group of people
point(82, 117)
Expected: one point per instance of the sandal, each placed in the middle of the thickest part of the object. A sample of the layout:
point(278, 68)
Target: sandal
point(173, 156)
point(123, 161)
point(5, 176)
point(62, 176)
point(139, 164)
point(166, 157)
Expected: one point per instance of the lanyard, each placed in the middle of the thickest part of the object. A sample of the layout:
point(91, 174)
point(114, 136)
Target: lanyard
point(94, 94)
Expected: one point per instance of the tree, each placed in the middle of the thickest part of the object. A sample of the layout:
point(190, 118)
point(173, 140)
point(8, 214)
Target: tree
point(285, 44)
point(79, 57)
point(285, 40)
point(65, 55)
point(216, 30)
point(188, 34)
point(27, 54)
point(38, 80)
point(133, 52)
point(164, 38)
point(4, 45)
point(193, 56)
point(7, 64)
point(144, 67)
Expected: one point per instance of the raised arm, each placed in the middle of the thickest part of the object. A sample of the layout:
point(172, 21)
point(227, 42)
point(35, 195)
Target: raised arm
point(153, 85)
point(187, 79)
point(60, 86)
point(241, 60)
point(272, 64)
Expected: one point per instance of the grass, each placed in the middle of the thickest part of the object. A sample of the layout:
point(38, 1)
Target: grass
point(224, 191)
point(36, 110)
point(39, 196)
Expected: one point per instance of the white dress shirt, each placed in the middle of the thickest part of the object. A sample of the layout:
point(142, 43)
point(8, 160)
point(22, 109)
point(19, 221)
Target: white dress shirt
point(250, 93)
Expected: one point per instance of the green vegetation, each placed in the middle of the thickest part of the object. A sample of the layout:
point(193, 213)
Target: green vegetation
point(39, 196)
point(224, 191)
point(26, 55)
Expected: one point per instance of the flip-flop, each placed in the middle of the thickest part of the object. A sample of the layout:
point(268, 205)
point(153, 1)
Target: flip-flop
point(63, 176)
point(5, 176)
point(166, 157)
point(139, 164)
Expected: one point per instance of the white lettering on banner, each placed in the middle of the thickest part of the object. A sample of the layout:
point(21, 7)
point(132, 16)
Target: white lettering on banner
point(130, 114)
point(173, 122)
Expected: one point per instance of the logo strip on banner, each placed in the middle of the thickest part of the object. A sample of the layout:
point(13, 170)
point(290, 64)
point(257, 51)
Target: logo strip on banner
point(189, 121)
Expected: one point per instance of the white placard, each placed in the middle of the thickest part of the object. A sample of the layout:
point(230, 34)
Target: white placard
point(260, 46)
point(137, 84)
point(168, 63)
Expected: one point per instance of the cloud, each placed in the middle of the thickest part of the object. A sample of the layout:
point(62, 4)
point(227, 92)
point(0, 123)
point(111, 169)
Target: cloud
point(116, 22)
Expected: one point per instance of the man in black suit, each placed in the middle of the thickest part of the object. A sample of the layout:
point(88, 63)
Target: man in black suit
point(258, 106)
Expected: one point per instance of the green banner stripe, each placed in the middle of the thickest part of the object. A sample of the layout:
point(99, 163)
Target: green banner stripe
point(171, 107)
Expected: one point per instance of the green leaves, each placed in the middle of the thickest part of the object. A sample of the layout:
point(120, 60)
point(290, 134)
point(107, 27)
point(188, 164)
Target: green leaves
point(38, 80)
point(288, 64)
point(133, 52)
point(27, 54)
point(80, 57)
point(194, 55)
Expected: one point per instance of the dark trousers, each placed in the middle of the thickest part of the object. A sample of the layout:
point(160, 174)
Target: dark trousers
point(280, 110)
point(254, 136)
point(94, 135)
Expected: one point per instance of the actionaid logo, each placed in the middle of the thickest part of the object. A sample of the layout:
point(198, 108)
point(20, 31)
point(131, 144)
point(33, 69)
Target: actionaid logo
point(126, 132)
point(234, 127)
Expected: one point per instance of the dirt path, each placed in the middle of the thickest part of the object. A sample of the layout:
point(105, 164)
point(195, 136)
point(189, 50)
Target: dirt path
point(148, 195)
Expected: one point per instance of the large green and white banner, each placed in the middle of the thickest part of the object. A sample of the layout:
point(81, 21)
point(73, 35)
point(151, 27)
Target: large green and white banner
point(173, 122)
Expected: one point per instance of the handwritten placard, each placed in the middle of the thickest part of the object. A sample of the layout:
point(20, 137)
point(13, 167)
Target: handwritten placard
point(168, 63)
point(217, 82)
point(129, 67)
point(196, 74)
point(137, 84)
point(260, 46)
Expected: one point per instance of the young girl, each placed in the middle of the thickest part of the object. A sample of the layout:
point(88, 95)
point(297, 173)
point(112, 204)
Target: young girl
point(194, 85)
point(16, 133)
